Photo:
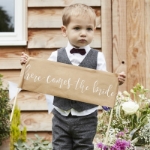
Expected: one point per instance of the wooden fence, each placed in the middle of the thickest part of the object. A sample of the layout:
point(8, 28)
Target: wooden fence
point(122, 34)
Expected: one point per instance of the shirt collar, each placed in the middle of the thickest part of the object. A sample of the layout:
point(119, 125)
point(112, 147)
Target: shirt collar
point(69, 47)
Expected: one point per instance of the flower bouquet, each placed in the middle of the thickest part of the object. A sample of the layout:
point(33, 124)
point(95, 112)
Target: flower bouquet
point(129, 122)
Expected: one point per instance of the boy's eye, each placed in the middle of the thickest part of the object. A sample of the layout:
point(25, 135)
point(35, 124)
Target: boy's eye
point(89, 29)
point(76, 28)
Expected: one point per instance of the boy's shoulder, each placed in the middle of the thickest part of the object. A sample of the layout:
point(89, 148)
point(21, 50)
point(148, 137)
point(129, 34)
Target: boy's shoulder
point(95, 49)
point(98, 51)
point(61, 49)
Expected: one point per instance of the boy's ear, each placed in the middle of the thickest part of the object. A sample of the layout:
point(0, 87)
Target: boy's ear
point(63, 29)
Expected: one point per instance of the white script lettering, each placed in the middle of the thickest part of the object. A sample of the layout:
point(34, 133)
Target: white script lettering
point(28, 75)
point(100, 91)
point(80, 85)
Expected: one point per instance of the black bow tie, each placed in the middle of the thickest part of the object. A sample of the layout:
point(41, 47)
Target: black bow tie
point(76, 50)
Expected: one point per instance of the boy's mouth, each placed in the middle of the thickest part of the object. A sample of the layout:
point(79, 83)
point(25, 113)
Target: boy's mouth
point(82, 40)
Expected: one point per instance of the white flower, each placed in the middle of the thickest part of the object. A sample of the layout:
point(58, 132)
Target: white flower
point(142, 96)
point(126, 93)
point(130, 107)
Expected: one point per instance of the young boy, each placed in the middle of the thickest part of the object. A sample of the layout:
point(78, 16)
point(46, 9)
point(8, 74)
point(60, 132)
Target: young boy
point(74, 123)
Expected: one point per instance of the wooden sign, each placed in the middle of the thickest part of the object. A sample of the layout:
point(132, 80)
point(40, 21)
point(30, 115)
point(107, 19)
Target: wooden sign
point(68, 81)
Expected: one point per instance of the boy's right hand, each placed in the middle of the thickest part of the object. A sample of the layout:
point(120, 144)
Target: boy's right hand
point(24, 58)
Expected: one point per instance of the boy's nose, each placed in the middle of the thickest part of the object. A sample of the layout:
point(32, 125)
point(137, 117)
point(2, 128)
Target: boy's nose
point(83, 33)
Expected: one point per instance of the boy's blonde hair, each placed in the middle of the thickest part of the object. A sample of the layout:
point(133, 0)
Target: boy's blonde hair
point(78, 10)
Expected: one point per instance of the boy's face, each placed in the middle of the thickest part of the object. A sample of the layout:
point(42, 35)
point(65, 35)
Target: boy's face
point(80, 31)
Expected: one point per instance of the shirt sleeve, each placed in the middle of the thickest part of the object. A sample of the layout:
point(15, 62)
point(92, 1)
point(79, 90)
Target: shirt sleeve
point(53, 56)
point(101, 63)
point(49, 98)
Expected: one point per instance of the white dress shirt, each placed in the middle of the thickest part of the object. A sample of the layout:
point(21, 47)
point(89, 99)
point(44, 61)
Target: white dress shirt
point(76, 59)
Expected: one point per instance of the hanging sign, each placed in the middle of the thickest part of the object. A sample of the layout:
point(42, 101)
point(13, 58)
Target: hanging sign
point(68, 81)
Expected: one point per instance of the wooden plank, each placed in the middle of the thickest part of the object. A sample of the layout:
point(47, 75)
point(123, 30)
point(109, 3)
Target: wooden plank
point(135, 43)
point(61, 3)
point(11, 75)
point(29, 101)
point(37, 121)
point(41, 53)
point(50, 17)
point(40, 38)
point(119, 38)
point(147, 41)
point(44, 17)
point(10, 57)
point(106, 32)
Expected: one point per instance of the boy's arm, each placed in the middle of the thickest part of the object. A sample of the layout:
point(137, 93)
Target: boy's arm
point(101, 63)
point(53, 56)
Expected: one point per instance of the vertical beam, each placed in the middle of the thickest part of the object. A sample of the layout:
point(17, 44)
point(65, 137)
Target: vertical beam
point(106, 26)
point(135, 43)
point(147, 41)
point(119, 38)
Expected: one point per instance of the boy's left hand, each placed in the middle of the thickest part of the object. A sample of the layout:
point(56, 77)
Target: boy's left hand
point(121, 78)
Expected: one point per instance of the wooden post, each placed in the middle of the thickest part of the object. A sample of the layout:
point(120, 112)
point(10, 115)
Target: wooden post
point(147, 41)
point(106, 29)
point(136, 52)
point(119, 38)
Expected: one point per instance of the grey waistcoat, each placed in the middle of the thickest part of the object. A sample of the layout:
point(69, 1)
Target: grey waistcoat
point(90, 61)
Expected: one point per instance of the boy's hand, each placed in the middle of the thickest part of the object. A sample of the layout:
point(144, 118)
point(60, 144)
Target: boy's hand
point(121, 78)
point(24, 58)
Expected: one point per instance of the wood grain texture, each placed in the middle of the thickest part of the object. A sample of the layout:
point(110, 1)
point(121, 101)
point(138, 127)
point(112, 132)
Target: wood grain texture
point(37, 121)
point(10, 57)
point(50, 17)
point(61, 3)
point(119, 38)
point(29, 101)
point(147, 41)
point(48, 38)
point(106, 32)
point(44, 17)
point(11, 75)
point(41, 53)
point(135, 43)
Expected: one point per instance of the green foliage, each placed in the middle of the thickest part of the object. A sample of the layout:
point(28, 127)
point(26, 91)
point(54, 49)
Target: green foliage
point(5, 110)
point(16, 134)
point(131, 114)
point(38, 144)
point(5, 22)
